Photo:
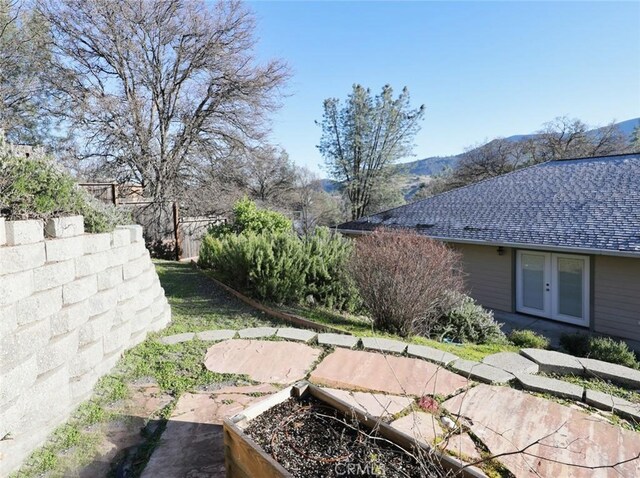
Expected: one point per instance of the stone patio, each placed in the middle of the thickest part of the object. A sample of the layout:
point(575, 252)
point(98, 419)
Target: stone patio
point(531, 436)
point(262, 361)
point(356, 370)
point(539, 437)
point(191, 444)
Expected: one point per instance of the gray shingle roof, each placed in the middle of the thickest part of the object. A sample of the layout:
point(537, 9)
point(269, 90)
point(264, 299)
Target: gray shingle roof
point(591, 203)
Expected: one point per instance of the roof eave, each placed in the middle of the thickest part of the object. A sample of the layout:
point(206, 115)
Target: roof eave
point(516, 245)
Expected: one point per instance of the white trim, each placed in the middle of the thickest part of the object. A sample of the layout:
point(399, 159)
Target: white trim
point(546, 310)
point(555, 314)
point(551, 297)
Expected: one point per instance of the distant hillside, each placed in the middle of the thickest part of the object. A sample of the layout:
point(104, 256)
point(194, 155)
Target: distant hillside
point(427, 166)
point(416, 172)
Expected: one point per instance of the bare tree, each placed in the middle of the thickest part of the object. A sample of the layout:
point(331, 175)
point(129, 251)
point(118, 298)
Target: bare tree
point(155, 89)
point(269, 174)
point(312, 205)
point(23, 52)
point(565, 138)
point(488, 160)
point(562, 138)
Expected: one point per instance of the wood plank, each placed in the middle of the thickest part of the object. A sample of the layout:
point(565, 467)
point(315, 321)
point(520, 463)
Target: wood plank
point(244, 454)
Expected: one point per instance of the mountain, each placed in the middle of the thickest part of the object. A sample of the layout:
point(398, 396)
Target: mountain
point(416, 172)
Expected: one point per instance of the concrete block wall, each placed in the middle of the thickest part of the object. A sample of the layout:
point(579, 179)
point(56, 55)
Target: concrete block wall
point(70, 304)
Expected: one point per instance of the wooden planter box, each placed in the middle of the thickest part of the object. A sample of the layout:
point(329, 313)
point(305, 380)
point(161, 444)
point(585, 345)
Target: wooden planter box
point(245, 459)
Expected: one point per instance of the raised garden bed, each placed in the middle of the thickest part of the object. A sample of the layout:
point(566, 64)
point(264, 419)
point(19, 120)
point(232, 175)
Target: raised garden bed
point(303, 431)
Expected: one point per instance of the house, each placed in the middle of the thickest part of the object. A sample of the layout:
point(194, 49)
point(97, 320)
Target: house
point(558, 240)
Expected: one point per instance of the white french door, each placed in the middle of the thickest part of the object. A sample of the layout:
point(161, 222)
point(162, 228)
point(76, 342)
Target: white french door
point(555, 286)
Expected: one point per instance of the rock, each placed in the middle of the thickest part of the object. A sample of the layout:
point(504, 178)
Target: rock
point(432, 355)
point(462, 446)
point(216, 335)
point(299, 335)
point(263, 361)
point(369, 371)
point(192, 443)
point(511, 362)
point(554, 362)
point(383, 345)
point(552, 386)
point(178, 338)
point(375, 404)
point(480, 371)
point(257, 332)
point(420, 426)
point(610, 371)
point(338, 340)
point(618, 405)
point(559, 440)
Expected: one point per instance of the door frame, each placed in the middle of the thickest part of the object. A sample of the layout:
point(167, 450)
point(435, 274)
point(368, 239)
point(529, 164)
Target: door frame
point(546, 312)
point(551, 301)
point(586, 290)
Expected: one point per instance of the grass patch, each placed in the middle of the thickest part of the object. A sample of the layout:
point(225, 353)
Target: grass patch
point(600, 385)
point(363, 327)
point(176, 368)
point(198, 305)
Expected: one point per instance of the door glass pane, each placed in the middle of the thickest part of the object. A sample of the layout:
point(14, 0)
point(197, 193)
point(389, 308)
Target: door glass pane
point(533, 281)
point(570, 286)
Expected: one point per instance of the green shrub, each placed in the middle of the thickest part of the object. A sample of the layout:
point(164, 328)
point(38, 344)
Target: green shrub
point(528, 339)
point(576, 344)
point(248, 218)
point(281, 267)
point(35, 188)
point(99, 216)
point(328, 281)
point(468, 321)
point(599, 348)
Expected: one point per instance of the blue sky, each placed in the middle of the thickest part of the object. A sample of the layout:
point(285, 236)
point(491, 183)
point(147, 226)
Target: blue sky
point(483, 69)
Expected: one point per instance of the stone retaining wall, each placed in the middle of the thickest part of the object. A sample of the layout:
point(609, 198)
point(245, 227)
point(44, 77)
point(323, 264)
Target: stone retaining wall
point(70, 305)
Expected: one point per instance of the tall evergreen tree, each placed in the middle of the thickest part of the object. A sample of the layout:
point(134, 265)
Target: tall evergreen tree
point(365, 135)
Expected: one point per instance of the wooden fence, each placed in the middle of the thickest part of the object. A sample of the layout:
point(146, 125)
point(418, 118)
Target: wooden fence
point(163, 225)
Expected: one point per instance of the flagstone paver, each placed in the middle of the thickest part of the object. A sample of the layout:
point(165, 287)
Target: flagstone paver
point(191, 445)
point(216, 335)
point(263, 361)
point(338, 340)
point(433, 355)
point(177, 339)
point(463, 446)
point(558, 388)
point(554, 362)
point(422, 426)
point(257, 332)
point(618, 405)
point(559, 440)
point(383, 345)
point(262, 388)
point(511, 362)
point(299, 335)
point(369, 371)
point(610, 371)
point(481, 371)
point(376, 404)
